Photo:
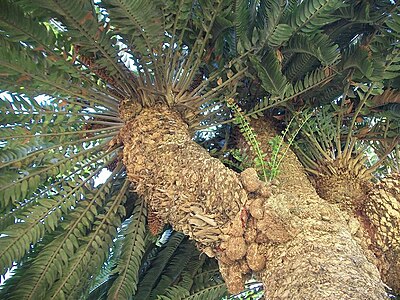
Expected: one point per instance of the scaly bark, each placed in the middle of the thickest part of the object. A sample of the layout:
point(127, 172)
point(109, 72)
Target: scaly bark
point(382, 209)
point(292, 180)
point(376, 209)
point(297, 243)
point(372, 212)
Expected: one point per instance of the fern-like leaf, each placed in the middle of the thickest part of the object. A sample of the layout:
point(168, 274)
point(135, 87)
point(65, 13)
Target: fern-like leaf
point(311, 15)
point(152, 275)
point(132, 251)
point(90, 256)
point(140, 20)
point(317, 45)
point(270, 73)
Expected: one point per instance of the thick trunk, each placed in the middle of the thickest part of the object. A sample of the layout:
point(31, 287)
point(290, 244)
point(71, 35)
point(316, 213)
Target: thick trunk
point(297, 243)
point(382, 209)
point(377, 211)
point(371, 212)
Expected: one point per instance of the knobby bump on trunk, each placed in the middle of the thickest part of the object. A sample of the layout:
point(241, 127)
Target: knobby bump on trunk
point(298, 244)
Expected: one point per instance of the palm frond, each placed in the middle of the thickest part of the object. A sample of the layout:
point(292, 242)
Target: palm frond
point(311, 15)
point(245, 20)
point(127, 269)
point(272, 79)
point(89, 35)
point(317, 45)
point(106, 216)
point(274, 33)
point(22, 27)
point(149, 280)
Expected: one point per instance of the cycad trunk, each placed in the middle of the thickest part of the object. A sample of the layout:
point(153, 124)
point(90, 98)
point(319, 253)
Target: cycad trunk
point(298, 244)
point(377, 210)
point(382, 209)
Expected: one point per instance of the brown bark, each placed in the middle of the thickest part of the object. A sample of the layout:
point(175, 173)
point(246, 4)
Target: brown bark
point(376, 211)
point(372, 212)
point(297, 243)
point(382, 209)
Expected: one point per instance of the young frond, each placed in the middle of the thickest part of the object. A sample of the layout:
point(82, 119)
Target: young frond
point(317, 45)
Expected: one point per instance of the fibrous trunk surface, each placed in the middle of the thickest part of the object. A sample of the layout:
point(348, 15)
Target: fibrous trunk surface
point(297, 243)
point(372, 212)
point(376, 210)
point(382, 209)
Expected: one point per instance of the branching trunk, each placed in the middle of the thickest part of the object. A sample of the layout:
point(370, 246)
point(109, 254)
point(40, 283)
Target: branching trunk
point(372, 212)
point(297, 243)
point(375, 212)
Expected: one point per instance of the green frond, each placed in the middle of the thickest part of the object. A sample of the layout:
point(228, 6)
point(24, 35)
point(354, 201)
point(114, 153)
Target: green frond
point(63, 185)
point(199, 279)
point(105, 276)
point(311, 81)
point(332, 90)
point(386, 51)
point(103, 281)
point(177, 15)
point(21, 27)
point(299, 64)
point(140, 21)
point(245, 17)
point(311, 15)
point(174, 293)
point(357, 57)
point(70, 206)
point(106, 218)
point(274, 33)
point(127, 269)
point(204, 23)
point(250, 137)
point(67, 69)
point(184, 285)
point(270, 73)
point(173, 271)
point(387, 127)
point(279, 149)
point(15, 190)
point(152, 275)
point(317, 45)
point(287, 19)
point(214, 292)
point(361, 12)
point(23, 67)
point(290, 6)
point(207, 284)
point(37, 150)
point(90, 35)
point(280, 35)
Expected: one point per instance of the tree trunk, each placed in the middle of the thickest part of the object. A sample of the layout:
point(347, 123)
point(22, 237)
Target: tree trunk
point(382, 210)
point(376, 208)
point(297, 243)
point(372, 212)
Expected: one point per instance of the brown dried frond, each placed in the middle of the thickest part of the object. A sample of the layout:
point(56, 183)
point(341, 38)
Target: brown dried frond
point(101, 72)
point(155, 224)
